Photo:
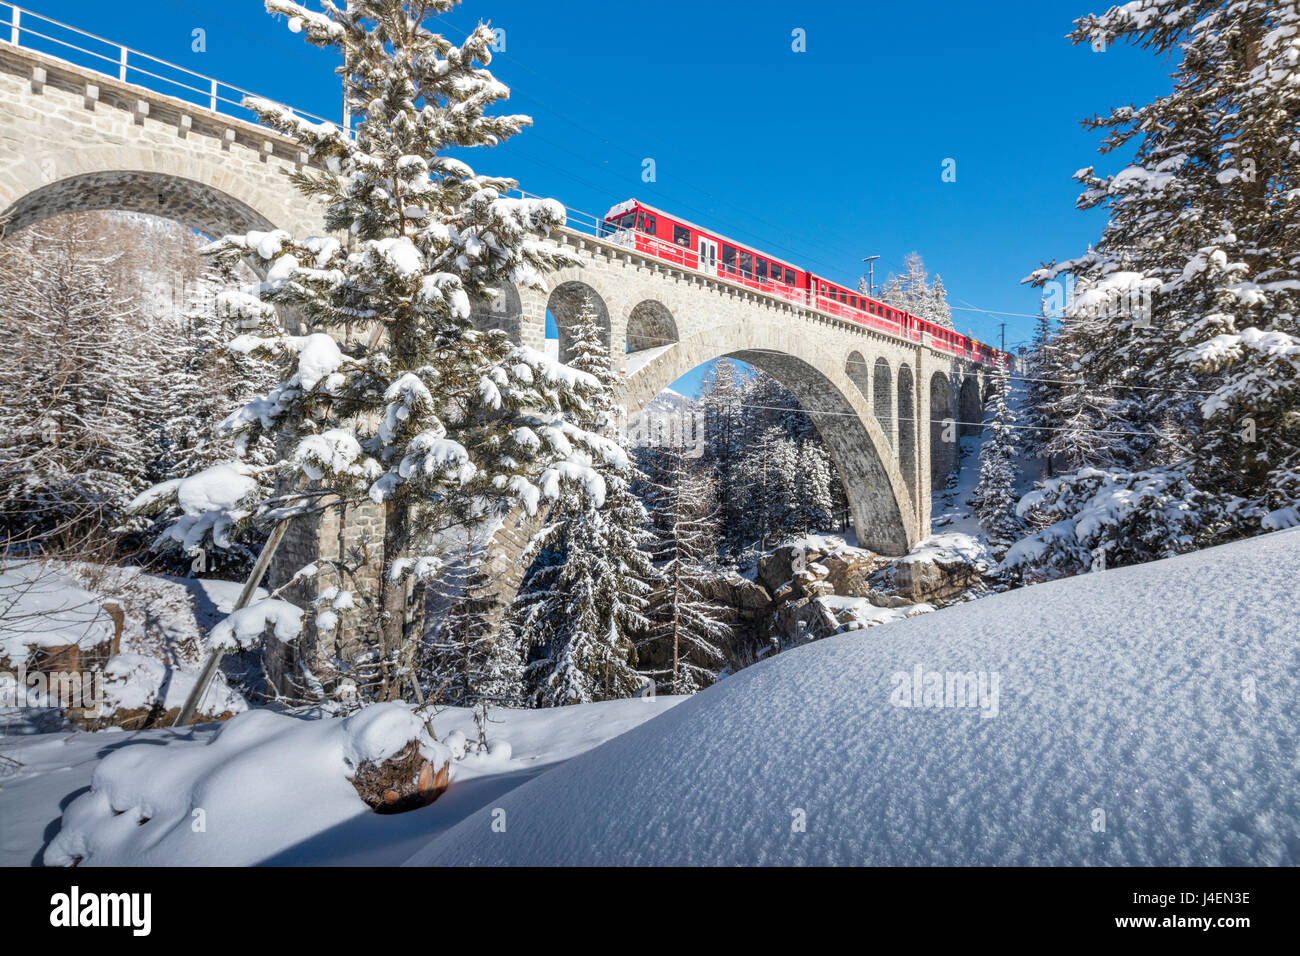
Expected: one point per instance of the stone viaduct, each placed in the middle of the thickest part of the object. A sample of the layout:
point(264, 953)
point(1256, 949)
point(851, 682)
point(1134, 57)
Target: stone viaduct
point(72, 139)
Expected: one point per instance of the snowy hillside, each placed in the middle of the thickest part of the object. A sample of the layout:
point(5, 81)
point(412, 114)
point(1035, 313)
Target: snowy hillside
point(1120, 719)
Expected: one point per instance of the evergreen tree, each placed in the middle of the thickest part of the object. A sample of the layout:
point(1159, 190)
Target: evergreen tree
point(394, 396)
point(582, 610)
point(1184, 314)
point(813, 482)
point(994, 497)
point(685, 624)
point(721, 402)
point(466, 660)
point(913, 292)
point(1043, 378)
point(71, 452)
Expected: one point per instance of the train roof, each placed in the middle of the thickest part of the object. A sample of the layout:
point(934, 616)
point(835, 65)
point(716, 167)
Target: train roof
point(623, 207)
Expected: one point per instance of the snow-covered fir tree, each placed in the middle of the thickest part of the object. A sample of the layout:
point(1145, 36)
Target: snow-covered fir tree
point(72, 453)
point(204, 381)
point(1043, 378)
point(1184, 313)
point(912, 291)
point(685, 623)
point(393, 395)
point(995, 496)
point(721, 402)
point(467, 659)
point(582, 609)
point(814, 488)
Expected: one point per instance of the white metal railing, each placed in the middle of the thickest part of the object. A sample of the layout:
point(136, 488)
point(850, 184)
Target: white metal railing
point(41, 34)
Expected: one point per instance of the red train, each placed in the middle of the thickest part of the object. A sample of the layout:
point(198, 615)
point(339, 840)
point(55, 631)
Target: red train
point(683, 243)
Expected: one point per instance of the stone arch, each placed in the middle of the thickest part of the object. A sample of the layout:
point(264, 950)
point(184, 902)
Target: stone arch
point(882, 399)
point(943, 437)
point(856, 368)
point(970, 408)
point(882, 507)
point(565, 303)
point(505, 312)
point(199, 206)
point(650, 325)
point(907, 428)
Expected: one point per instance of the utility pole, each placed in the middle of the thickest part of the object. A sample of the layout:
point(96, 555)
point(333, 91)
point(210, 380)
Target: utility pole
point(871, 274)
point(1003, 326)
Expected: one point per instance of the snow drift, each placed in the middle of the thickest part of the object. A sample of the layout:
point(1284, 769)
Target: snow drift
point(1144, 715)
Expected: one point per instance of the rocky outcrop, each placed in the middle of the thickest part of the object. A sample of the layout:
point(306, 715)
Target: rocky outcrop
point(779, 567)
point(788, 605)
point(939, 571)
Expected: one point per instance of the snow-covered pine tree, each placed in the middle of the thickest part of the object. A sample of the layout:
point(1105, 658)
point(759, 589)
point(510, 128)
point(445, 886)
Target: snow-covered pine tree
point(204, 381)
point(1084, 420)
point(1043, 377)
point(685, 624)
point(995, 497)
point(912, 292)
point(465, 659)
point(721, 402)
point(940, 310)
point(71, 452)
point(393, 395)
point(1190, 297)
point(813, 488)
point(582, 610)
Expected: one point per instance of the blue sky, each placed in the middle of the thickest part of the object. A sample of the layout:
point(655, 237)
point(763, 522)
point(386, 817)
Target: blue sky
point(821, 157)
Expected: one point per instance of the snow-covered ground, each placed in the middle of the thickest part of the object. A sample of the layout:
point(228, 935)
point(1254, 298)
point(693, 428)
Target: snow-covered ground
point(161, 651)
point(1131, 716)
point(272, 788)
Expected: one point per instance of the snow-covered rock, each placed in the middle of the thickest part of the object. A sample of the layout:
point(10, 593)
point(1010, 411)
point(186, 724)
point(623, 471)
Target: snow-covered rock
point(1111, 718)
point(940, 568)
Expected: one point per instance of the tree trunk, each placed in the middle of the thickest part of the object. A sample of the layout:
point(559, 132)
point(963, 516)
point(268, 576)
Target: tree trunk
point(392, 602)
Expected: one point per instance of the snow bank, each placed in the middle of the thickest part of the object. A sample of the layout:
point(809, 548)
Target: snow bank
point(40, 607)
point(273, 788)
point(1135, 724)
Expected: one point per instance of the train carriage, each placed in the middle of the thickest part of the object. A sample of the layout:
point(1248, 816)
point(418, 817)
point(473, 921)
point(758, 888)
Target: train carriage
point(654, 232)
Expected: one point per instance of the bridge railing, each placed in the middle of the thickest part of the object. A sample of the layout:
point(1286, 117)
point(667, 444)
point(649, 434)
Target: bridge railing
point(41, 34)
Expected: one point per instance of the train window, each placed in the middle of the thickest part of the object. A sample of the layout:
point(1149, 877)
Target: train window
point(746, 265)
point(647, 224)
point(789, 277)
point(760, 269)
point(728, 258)
point(682, 236)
